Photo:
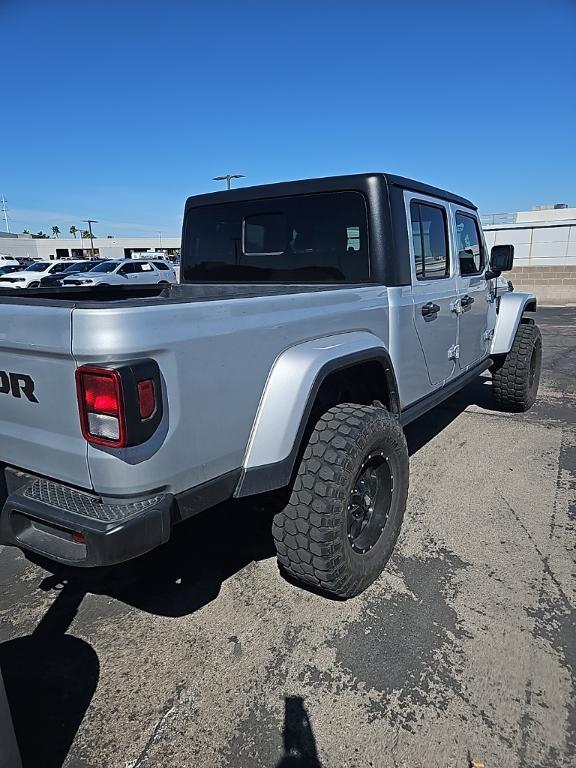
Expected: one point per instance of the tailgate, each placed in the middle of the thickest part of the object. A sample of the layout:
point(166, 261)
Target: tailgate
point(39, 423)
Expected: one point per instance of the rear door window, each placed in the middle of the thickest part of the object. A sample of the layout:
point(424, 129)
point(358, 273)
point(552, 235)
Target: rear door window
point(430, 240)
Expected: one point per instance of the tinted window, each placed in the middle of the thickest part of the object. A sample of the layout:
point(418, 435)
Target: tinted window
point(38, 266)
point(106, 266)
point(430, 241)
point(470, 251)
point(80, 266)
point(58, 268)
point(306, 238)
point(75, 267)
point(161, 265)
point(128, 269)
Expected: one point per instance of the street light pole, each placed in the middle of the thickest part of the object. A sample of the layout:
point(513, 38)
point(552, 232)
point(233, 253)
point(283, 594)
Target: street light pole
point(228, 178)
point(90, 222)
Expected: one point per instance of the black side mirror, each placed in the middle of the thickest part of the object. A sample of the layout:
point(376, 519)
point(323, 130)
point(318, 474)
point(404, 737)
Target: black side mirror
point(501, 260)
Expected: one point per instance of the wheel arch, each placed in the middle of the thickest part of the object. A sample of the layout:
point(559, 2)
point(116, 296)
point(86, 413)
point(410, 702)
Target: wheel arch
point(512, 307)
point(304, 382)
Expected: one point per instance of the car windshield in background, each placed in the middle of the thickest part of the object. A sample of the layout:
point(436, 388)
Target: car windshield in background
point(81, 266)
point(38, 266)
point(319, 238)
point(106, 266)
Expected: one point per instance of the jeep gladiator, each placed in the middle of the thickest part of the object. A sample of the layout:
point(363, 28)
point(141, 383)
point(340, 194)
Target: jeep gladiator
point(314, 319)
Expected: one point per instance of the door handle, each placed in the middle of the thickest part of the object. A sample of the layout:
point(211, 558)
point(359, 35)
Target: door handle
point(429, 309)
point(467, 301)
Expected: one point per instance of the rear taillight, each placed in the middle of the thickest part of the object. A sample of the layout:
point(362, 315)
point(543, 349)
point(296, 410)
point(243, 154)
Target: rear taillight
point(119, 406)
point(101, 406)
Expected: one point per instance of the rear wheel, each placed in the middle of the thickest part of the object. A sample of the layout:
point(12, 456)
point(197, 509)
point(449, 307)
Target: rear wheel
point(34, 284)
point(346, 508)
point(515, 376)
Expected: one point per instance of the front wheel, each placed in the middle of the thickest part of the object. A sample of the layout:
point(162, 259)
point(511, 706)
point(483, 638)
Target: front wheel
point(347, 504)
point(34, 284)
point(515, 377)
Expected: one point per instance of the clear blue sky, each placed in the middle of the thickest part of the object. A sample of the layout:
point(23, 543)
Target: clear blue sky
point(119, 109)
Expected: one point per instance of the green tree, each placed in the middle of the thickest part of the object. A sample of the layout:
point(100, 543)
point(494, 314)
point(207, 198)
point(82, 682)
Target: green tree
point(56, 231)
point(73, 231)
point(42, 235)
point(25, 232)
point(86, 234)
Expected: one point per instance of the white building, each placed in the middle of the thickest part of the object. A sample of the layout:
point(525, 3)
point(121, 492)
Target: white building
point(70, 247)
point(541, 238)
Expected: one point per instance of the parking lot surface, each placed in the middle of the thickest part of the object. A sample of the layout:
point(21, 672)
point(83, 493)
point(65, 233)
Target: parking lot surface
point(201, 654)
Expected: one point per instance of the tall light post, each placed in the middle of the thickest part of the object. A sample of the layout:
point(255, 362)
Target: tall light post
point(79, 229)
point(90, 222)
point(228, 178)
point(160, 237)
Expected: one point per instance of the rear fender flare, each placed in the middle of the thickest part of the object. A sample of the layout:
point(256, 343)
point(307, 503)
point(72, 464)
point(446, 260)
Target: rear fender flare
point(512, 307)
point(288, 398)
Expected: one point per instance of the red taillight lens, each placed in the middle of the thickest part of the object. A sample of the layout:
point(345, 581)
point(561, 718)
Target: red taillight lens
point(101, 394)
point(146, 398)
point(101, 406)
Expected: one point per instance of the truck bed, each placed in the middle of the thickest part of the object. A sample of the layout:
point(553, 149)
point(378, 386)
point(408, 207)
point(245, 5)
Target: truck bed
point(125, 296)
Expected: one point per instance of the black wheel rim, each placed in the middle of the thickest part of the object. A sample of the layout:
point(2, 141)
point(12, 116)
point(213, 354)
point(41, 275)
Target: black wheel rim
point(369, 502)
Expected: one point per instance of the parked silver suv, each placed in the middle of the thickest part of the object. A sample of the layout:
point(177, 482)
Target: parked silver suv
point(126, 272)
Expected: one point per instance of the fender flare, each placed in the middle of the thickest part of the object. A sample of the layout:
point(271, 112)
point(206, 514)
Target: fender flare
point(510, 312)
point(288, 397)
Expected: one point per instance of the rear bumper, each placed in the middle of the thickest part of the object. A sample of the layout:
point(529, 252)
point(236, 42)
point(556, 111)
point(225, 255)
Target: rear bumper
point(78, 528)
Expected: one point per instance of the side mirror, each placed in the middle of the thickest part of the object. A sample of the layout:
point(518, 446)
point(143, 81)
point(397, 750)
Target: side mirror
point(501, 260)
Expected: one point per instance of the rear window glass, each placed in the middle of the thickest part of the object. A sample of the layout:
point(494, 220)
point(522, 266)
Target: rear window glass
point(319, 238)
point(161, 265)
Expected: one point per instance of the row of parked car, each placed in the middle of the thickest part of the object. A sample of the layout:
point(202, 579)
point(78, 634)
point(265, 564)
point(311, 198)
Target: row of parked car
point(85, 273)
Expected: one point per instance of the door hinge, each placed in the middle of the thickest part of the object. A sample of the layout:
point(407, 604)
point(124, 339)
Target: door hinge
point(454, 352)
point(456, 307)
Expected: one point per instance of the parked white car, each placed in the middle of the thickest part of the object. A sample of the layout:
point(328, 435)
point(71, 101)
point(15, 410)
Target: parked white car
point(31, 276)
point(126, 272)
point(7, 261)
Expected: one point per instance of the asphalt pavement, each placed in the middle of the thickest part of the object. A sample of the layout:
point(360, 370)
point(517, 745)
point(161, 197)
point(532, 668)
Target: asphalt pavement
point(201, 654)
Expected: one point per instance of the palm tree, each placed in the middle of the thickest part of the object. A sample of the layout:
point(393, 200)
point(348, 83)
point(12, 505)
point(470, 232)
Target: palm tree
point(25, 232)
point(73, 231)
point(86, 234)
point(56, 231)
point(41, 235)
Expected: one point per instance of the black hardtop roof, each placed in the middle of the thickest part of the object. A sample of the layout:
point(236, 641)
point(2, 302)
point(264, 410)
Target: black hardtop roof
point(357, 181)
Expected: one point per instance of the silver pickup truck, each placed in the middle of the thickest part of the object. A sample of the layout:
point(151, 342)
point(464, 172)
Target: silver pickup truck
point(314, 319)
